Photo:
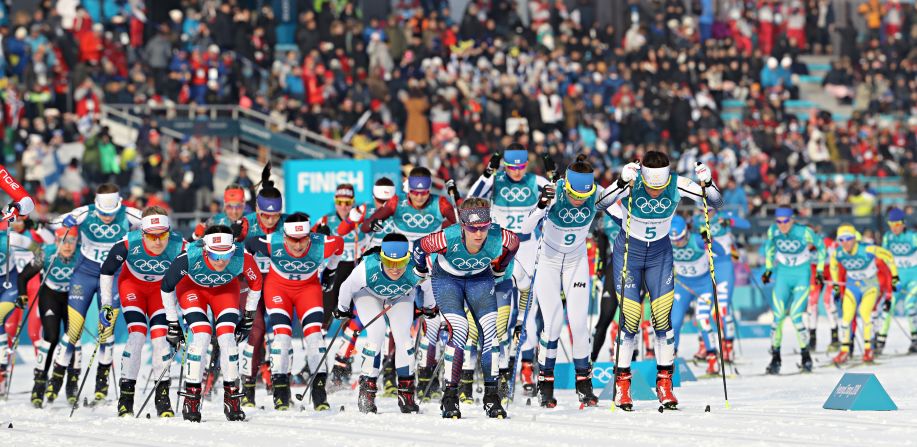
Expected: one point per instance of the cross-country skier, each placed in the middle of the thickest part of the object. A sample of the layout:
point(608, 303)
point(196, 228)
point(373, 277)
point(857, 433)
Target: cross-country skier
point(563, 268)
point(859, 280)
point(385, 277)
point(143, 257)
point(472, 257)
point(233, 211)
point(692, 282)
point(297, 257)
point(206, 277)
point(902, 243)
point(789, 250)
point(654, 195)
point(101, 226)
point(608, 305)
point(344, 210)
point(825, 291)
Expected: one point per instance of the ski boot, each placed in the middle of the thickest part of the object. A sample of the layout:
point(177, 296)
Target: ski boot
point(728, 352)
point(492, 406)
point(664, 388)
point(281, 391)
point(162, 401)
point(835, 342)
point(191, 408)
point(38, 389)
point(842, 357)
point(450, 403)
point(503, 379)
point(366, 401)
point(623, 399)
point(265, 371)
point(649, 354)
point(713, 366)
point(868, 355)
point(406, 390)
point(584, 388)
point(389, 381)
point(774, 367)
point(102, 373)
point(527, 374)
point(232, 404)
point(319, 395)
point(546, 389)
point(73, 385)
point(126, 399)
point(55, 383)
point(806, 364)
point(248, 391)
point(880, 344)
point(701, 354)
point(913, 348)
point(425, 381)
point(340, 372)
point(466, 387)
point(811, 339)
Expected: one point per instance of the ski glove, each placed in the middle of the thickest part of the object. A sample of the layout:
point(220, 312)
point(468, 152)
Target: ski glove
point(766, 277)
point(820, 279)
point(887, 305)
point(106, 316)
point(837, 292)
point(328, 279)
point(12, 210)
point(494, 164)
point(245, 326)
point(548, 192)
point(341, 314)
point(22, 301)
point(375, 226)
point(629, 173)
point(429, 312)
point(174, 335)
point(895, 282)
point(356, 214)
point(704, 176)
point(69, 221)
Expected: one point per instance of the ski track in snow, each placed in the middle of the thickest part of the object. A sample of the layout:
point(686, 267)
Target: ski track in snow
point(764, 410)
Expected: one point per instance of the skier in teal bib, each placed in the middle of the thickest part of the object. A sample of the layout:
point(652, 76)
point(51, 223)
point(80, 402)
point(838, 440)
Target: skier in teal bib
point(789, 250)
point(902, 243)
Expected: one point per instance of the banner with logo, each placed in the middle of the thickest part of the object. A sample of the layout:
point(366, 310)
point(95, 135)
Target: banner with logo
point(310, 184)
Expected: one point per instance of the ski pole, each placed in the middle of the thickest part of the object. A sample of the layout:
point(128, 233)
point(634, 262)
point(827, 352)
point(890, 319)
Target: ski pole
point(614, 380)
point(79, 392)
point(321, 362)
point(716, 302)
point(181, 372)
point(158, 380)
point(443, 338)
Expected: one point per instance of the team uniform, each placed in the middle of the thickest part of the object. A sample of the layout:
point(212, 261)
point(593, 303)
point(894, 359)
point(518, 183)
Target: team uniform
point(9, 291)
point(294, 282)
point(608, 306)
point(96, 239)
point(825, 293)
point(460, 278)
point(193, 285)
point(789, 255)
point(142, 307)
point(904, 248)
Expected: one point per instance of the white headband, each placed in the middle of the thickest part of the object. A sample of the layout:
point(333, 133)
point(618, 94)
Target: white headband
point(383, 192)
point(108, 202)
point(219, 242)
point(655, 177)
point(154, 222)
point(296, 229)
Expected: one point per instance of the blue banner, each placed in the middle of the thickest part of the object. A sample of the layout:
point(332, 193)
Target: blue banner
point(310, 184)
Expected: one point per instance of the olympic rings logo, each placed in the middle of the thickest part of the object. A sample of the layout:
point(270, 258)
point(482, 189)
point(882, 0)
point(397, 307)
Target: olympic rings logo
point(212, 279)
point(472, 263)
point(854, 263)
point(515, 194)
point(900, 248)
point(657, 206)
point(603, 374)
point(60, 272)
point(574, 215)
point(296, 265)
point(791, 246)
point(392, 289)
point(151, 265)
point(105, 231)
point(683, 254)
point(417, 220)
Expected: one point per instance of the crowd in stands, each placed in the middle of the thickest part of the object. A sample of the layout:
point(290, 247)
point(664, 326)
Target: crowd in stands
point(444, 90)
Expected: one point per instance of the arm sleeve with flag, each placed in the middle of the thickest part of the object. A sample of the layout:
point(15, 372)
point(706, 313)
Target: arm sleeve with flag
point(16, 192)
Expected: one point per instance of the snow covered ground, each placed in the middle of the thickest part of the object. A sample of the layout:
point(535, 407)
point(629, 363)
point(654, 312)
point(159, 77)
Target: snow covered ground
point(764, 411)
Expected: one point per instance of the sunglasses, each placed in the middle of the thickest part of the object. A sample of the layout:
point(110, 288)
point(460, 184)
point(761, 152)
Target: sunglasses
point(395, 263)
point(784, 220)
point(104, 214)
point(156, 237)
point(264, 215)
point(476, 228)
point(419, 192)
point(343, 201)
point(845, 238)
point(516, 167)
point(219, 256)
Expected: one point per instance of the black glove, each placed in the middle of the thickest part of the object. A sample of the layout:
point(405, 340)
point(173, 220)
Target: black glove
point(493, 165)
point(245, 326)
point(706, 237)
point(820, 279)
point(174, 335)
point(547, 195)
point(328, 279)
point(887, 305)
point(895, 282)
point(375, 226)
point(766, 277)
point(837, 292)
point(422, 274)
point(429, 312)
point(323, 229)
point(341, 314)
point(451, 188)
point(22, 301)
point(239, 229)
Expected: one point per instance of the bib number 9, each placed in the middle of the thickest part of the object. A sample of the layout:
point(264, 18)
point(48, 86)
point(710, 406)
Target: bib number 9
point(570, 239)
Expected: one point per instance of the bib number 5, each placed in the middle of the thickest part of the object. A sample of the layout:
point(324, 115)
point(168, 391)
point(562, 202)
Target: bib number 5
point(650, 232)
